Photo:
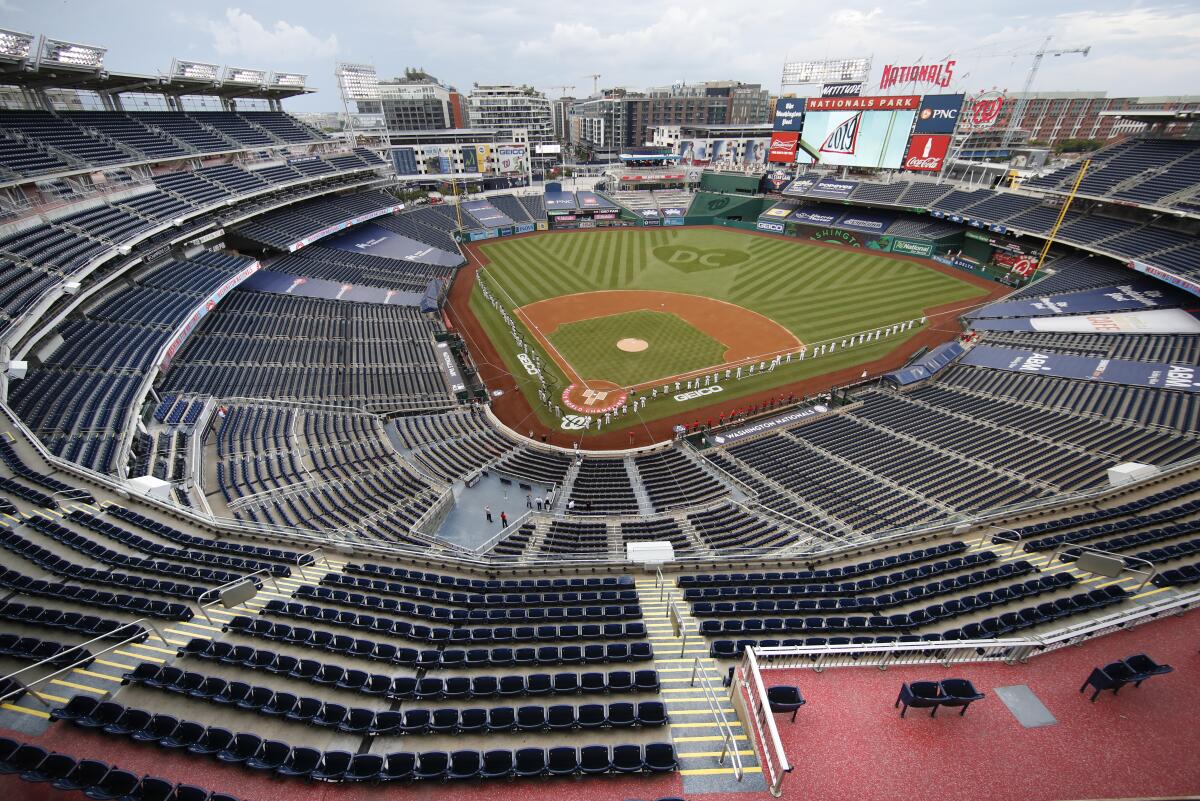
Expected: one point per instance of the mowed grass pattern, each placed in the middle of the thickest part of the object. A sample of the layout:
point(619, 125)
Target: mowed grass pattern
point(590, 346)
point(815, 292)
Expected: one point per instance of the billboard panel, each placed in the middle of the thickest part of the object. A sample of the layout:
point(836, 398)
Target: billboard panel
point(842, 89)
point(783, 147)
point(939, 114)
point(510, 158)
point(940, 74)
point(470, 162)
point(927, 152)
point(789, 114)
point(855, 138)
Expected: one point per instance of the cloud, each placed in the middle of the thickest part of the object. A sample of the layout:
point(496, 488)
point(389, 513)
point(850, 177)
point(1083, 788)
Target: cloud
point(240, 34)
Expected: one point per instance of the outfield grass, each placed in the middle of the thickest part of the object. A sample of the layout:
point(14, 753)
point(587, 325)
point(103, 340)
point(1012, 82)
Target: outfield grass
point(674, 347)
point(818, 293)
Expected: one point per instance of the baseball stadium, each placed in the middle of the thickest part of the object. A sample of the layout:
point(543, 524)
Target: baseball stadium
point(695, 443)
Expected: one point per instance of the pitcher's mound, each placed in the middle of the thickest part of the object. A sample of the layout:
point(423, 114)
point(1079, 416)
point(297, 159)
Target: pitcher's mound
point(630, 345)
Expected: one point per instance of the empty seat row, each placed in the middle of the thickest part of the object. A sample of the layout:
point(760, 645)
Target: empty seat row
point(804, 576)
point(31, 649)
point(95, 779)
point(193, 541)
point(276, 756)
point(475, 634)
point(89, 625)
point(490, 599)
point(547, 614)
point(90, 597)
point(492, 585)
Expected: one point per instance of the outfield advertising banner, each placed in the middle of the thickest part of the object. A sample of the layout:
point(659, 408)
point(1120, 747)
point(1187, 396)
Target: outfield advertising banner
point(1172, 279)
point(939, 114)
point(832, 188)
point(866, 221)
point(770, 424)
point(911, 247)
point(927, 152)
point(510, 158)
point(1160, 375)
point(842, 89)
point(1127, 297)
point(813, 216)
point(487, 214)
point(789, 114)
point(857, 131)
point(770, 227)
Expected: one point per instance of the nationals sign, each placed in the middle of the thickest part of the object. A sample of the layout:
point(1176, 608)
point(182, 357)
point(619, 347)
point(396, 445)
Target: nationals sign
point(927, 152)
point(985, 109)
point(937, 74)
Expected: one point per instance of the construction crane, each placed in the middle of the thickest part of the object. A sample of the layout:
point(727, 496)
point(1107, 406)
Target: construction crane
point(595, 82)
point(1023, 99)
point(562, 90)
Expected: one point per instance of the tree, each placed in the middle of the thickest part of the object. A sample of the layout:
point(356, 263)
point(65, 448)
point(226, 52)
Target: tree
point(1077, 145)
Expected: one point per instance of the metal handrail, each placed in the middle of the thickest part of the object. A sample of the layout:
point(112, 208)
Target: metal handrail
point(28, 687)
point(1150, 572)
point(947, 652)
point(748, 677)
point(728, 738)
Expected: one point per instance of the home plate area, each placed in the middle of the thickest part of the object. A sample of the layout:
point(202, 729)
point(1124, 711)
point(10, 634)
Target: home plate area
point(594, 397)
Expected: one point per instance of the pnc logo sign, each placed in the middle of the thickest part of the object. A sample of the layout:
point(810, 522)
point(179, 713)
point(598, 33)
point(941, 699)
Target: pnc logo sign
point(689, 259)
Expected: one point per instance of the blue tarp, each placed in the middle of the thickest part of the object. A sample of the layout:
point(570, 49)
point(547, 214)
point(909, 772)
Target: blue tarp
point(927, 365)
point(871, 222)
point(559, 201)
point(1126, 297)
point(375, 240)
point(431, 299)
point(1161, 375)
point(488, 215)
point(284, 284)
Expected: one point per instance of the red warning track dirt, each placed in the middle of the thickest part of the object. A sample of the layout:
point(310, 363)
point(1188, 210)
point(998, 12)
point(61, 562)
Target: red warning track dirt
point(513, 408)
point(746, 335)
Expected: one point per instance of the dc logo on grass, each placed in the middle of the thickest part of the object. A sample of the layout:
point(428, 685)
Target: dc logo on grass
point(688, 259)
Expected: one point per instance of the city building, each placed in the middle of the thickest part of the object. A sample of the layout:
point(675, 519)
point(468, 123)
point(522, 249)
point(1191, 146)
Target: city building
point(460, 151)
point(619, 119)
point(508, 108)
point(419, 102)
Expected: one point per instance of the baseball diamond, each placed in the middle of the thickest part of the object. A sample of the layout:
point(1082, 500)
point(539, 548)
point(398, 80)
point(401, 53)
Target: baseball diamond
point(748, 311)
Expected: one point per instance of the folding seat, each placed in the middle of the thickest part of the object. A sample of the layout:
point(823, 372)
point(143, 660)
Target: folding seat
point(272, 755)
point(646, 681)
point(306, 670)
point(476, 657)
point(255, 699)
point(529, 762)
point(243, 746)
point(594, 759)
point(465, 765)
point(115, 784)
point(538, 684)
point(185, 735)
point(79, 706)
point(280, 704)
point(139, 675)
point(531, 718)
point(432, 765)
point(547, 655)
point(159, 727)
point(497, 764)
point(86, 773)
point(484, 687)
point(570, 655)
point(660, 758)
point(722, 649)
point(501, 657)
point(333, 767)
point(357, 721)
point(650, 713)
point(620, 681)
point(470, 720)
point(398, 766)
point(594, 654)
point(524, 657)
point(626, 758)
point(562, 761)
point(430, 688)
point(165, 677)
point(591, 716)
point(214, 741)
point(443, 721)
point(331, 716)
point(364, 768)
point(453, 658)
point(501, 718)
point(510, 686)
point(53, 767)
point(329, 675)
point(24, 759)
point(416, 721)
point(457, 687)
point(621, 715)
point(566, 683)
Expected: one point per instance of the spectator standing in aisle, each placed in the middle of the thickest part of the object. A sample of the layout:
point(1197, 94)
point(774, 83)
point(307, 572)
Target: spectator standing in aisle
point(487, 511)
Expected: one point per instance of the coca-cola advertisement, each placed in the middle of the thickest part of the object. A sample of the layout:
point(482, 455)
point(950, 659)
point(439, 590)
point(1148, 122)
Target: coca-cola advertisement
point(926, 152)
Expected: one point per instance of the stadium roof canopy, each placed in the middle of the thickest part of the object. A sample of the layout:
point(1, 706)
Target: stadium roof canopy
point(1151, 116)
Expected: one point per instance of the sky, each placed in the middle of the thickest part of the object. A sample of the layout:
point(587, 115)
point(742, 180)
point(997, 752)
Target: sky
point(1141, 49)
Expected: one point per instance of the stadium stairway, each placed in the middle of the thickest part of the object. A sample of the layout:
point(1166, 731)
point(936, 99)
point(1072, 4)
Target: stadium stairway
point(694, 728)
point(645, 505)
point(563, 493)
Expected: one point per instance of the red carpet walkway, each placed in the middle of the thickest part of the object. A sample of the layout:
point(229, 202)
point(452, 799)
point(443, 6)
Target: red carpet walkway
point(849, 743)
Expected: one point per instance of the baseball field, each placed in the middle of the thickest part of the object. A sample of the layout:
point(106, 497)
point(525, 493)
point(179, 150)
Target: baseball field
point(615, 314)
